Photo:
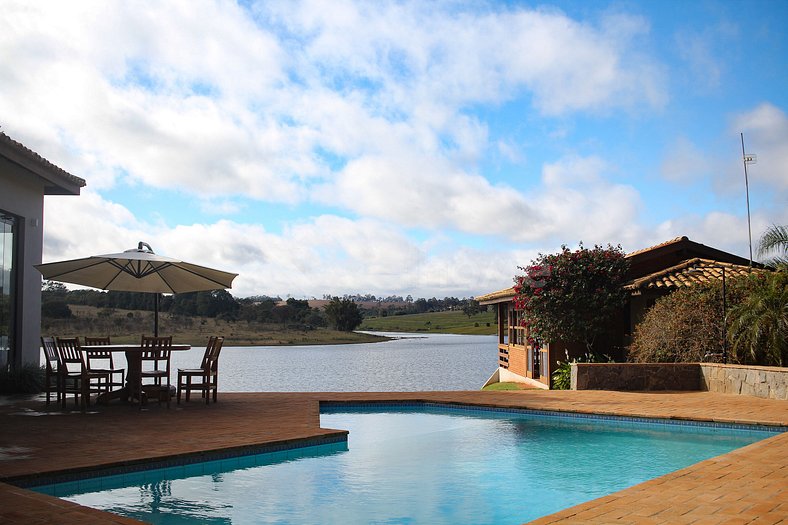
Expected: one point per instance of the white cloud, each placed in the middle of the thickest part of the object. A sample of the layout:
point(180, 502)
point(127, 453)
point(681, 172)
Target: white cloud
point(420, 191)
point(88, 225)
point(721, 230)
point(327, 254)
point(684, 162)
point(204, 98)
point(766, 134)
point(578, 202)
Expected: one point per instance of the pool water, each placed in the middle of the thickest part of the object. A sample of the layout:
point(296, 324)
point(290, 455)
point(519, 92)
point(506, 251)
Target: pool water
point(416, 465)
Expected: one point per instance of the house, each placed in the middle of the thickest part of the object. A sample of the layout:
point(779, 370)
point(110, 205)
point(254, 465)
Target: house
point(653, 273)
point(25, 178)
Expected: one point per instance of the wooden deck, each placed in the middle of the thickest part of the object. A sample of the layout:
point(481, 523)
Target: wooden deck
point(748, 485)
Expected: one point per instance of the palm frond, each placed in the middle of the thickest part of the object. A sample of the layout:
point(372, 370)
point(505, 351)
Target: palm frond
point(774, 239)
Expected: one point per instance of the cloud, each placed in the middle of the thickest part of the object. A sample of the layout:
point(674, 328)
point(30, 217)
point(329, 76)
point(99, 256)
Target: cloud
point(766, 134)
point(725, 231)
point(423, 191)
point(683, 162)
point(578, 202)
point(327, 254)
point(268, 102)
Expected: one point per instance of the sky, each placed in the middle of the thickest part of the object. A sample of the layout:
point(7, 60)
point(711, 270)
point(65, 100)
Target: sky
point(398, 148)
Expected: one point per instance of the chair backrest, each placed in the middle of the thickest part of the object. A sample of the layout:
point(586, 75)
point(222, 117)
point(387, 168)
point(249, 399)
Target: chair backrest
point(156, 349)
point(70, 352)
point(98, 355)
point(50, 353)
point(211, 355)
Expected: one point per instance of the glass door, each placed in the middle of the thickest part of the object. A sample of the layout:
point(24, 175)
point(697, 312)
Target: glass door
point(7, 286)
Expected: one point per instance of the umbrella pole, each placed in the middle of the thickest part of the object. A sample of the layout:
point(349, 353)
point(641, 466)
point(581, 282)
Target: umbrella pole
point(156, 315)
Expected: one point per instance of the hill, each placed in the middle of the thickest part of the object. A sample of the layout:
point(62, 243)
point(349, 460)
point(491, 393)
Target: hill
point(126, 326)
point(449, 322)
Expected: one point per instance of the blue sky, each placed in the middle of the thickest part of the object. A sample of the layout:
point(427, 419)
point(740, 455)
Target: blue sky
point(423, 148)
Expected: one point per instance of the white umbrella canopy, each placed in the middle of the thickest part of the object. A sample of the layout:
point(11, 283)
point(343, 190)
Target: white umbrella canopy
point(137, 270)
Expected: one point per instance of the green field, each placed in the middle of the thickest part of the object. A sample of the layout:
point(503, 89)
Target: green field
point(454, 322)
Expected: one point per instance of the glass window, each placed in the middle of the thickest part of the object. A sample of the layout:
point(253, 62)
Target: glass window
point(7, 285)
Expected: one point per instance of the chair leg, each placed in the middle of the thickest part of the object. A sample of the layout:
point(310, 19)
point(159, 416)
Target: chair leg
point(215, 387)
point(188, 387)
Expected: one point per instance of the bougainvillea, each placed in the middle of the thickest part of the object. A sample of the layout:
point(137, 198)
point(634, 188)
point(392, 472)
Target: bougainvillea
point(572, 296)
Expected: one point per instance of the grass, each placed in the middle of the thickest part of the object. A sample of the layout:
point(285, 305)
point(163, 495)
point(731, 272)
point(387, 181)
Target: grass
point(450, 322)
point(506, 386)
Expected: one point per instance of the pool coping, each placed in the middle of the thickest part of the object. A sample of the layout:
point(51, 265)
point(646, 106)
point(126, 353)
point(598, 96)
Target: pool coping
point(703, 423)
point(175, 460)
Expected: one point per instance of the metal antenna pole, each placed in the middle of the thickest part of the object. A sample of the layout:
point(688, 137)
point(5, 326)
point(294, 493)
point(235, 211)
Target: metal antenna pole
point(747, 192)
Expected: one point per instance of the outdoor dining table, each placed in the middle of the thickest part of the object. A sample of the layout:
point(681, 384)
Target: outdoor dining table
point(133, 352)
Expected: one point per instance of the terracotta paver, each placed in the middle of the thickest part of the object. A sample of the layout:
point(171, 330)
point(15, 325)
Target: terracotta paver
point(748, 485)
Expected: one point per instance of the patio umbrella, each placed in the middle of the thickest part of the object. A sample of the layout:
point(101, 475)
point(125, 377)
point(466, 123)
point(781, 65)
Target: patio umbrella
point(138, 270)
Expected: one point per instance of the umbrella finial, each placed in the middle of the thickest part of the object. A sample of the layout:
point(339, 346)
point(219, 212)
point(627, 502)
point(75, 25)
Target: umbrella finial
point(146, 245)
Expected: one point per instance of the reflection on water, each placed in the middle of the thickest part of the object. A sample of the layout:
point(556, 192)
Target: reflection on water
point(410, 363)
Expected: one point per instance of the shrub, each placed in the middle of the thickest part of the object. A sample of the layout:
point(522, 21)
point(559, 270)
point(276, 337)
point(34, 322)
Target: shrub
point(29, 379)
point(684, 326)
point(562, 376)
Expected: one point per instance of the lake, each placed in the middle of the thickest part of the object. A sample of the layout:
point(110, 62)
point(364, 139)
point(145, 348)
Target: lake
point(412, 362)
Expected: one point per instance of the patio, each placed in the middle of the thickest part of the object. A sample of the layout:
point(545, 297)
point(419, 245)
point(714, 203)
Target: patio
point(739, 487)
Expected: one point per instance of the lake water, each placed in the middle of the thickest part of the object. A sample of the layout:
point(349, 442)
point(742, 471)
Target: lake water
point(412, 362)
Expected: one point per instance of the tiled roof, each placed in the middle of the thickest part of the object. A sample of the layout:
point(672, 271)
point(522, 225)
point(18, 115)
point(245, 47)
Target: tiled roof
point(688, 273)
point(498, 296)
point(660, 245)
point(29, 154)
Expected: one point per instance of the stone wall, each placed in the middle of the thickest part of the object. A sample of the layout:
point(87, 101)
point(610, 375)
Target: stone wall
point(758, 381)
point(636, 376)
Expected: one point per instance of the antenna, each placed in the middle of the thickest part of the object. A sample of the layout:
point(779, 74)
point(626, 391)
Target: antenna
point(747, 158)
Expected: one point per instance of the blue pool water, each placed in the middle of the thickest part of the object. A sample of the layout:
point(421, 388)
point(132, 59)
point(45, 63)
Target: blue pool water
point(416, 465)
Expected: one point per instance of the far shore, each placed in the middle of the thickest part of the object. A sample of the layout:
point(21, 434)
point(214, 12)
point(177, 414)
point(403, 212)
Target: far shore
point(126, 326)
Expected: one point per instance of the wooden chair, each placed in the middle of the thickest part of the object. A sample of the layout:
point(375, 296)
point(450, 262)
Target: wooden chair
point(101, 366)
point(155, 352)
point(207, 375)
point(73, 372)
point(52, 370)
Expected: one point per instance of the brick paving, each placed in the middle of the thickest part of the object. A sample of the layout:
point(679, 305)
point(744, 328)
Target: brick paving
point(748, 485)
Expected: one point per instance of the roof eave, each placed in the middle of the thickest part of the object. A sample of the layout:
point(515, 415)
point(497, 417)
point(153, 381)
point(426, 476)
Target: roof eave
point(57, 181)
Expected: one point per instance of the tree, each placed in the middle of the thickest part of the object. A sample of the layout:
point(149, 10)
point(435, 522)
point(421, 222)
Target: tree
point(471, 308)
point(53, 300)
point(343, 314)
point(775, 240)
point(55, 309)
point(758, 325)
point(572, 296)
point(282, 313)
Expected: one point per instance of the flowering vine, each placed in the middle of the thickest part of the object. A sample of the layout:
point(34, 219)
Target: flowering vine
point(572, 296)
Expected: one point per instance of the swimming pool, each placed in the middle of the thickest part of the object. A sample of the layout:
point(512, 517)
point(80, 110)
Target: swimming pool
point(418, 464)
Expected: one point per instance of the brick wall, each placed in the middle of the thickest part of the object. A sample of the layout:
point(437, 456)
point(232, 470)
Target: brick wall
point(517, 360)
